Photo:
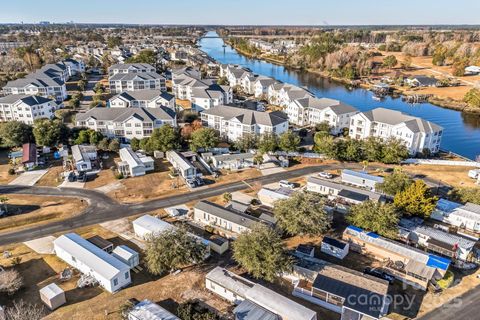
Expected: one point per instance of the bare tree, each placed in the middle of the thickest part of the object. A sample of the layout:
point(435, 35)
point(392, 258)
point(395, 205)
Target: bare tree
point(10, 281)
point(21, 310)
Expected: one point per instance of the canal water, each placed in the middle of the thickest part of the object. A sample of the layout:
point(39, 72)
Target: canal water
point(461, 131)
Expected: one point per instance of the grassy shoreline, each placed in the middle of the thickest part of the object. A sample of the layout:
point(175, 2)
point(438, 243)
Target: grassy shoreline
point(446, 103)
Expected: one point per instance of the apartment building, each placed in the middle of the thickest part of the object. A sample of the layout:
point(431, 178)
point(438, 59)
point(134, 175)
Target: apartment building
point(126, 123)
point(310, 111)
point(121, 82)
point(416, 133)
point(212, 96)
point(131, 68)
point(234, 122)
point(143, 99)
point(25, 108)
point(39, 84)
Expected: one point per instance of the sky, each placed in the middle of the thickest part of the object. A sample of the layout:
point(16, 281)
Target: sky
point(244, 12)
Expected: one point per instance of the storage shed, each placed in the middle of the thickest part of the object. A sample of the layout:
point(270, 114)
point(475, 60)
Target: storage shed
point(128, 256)
point(53, 296)
point(334, 247)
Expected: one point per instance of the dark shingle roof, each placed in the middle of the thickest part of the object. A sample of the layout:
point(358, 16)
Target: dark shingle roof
point(229, 215)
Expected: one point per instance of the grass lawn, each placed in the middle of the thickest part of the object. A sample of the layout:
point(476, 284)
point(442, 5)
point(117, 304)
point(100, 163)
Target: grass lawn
point(29, 210)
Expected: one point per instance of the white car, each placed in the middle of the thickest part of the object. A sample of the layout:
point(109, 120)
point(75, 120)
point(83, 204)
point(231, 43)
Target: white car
point(325, 175)
point(286, 184)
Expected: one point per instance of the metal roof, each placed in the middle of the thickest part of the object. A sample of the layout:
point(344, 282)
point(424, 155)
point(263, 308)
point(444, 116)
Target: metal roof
point(147, 310)
point(248, 310)
point(361, 174)
point(51, 291)
point(233, 216)
point(90, 255)
point(152, 224)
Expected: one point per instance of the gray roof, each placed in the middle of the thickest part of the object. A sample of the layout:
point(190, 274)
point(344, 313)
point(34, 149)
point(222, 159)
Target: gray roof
point(248, 310)
point(234, 156)
point(36, 80)
point(393, 117)
point(125, 66)
point(132, 76)
point(233, 216)
point(323, 103)
point(30, 100)
point(246, 116)
point(122, 114)
point(347, 189)
point(148, 95)
point(445, 237)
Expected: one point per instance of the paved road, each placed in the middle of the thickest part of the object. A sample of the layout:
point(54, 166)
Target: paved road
point(465, 307)
point(103, 208)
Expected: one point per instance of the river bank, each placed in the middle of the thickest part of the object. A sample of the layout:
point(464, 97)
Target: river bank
point(443, 102)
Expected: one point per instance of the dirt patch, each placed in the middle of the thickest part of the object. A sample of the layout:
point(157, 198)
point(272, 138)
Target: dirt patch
point(51, 178)
point(28, 210)
point(452, 175)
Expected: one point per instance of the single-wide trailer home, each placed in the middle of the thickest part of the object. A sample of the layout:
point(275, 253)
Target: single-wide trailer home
point(111, 273)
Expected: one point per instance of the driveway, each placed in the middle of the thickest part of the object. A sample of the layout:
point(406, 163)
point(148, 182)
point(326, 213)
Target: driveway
point(29, 178)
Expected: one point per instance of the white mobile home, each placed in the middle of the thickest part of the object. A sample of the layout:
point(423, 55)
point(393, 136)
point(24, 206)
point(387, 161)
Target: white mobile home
point(83, 155)
point(133, 164)
point(360, 179)
point(462, 216)
point(181, 165)
point(147, 310)
point(111, 273)
point(237, 289)
point(146, 226)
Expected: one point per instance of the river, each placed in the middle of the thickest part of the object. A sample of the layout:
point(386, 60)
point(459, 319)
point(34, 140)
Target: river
point(461, 131)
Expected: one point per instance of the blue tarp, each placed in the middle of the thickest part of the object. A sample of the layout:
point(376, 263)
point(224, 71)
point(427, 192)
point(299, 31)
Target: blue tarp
point(438, 262)
point(373, 235)
point(355, 228)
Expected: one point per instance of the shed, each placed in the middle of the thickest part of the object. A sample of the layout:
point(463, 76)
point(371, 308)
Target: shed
point(103, 244)
point(53, 296)
point(218, 244)
point(305, 250)
point(29, 156)
point(128, 256)
point(147, 225)
point(334, 247)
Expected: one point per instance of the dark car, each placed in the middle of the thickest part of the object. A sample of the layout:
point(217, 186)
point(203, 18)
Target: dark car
point(71, 177)
point(379, 274)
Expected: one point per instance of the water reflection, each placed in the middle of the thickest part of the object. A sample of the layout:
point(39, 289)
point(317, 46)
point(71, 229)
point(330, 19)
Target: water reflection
point(462, 131)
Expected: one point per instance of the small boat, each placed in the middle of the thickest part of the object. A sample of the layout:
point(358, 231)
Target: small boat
point(377, 98)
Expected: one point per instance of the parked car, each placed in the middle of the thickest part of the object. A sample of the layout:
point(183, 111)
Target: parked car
point(286, 184)
point(325, 175)
point(379, 274)
point(71, 177)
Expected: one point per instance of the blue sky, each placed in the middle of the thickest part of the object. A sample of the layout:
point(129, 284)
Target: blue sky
point(288, 12)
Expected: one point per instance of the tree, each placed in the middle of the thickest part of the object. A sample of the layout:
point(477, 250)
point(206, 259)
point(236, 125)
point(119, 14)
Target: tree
point(302, 214)
point(21, 310)
point(49, 132)
point(323, 127)
point(205, 138)
point(394, 183)
point(114, 145)
point(261, 252)
point(15, 133)
point(325, 144)
point(416, 200)
point(114, 41)
point(4, 200)
point(349, 150)
point(390, 61)
point(103, 144)
point(268, 142)
point(458, 67)
point(227, 197)
point(373, 149)
point(394, 151)
point(95, 137)
point(10, 281)
point(472, 98)
point(172, 249)
point(82, 84)
point(407, 62)
point(289, 141)
point(135, 144)
point(164, 139)
point(62, 114)
point(83, 136)
point(465, 195)
point(376, 217)
point(144, 56)
point(246, 142)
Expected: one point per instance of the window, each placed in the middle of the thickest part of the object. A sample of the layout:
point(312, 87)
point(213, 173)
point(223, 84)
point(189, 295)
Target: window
point(127, 275)
point(115, 282)
point(73, 259)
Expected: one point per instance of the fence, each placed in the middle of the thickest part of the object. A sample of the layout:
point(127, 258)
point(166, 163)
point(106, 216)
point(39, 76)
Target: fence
point(443, 162)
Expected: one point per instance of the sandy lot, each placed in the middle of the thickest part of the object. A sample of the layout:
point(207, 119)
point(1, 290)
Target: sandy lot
point(454, 176)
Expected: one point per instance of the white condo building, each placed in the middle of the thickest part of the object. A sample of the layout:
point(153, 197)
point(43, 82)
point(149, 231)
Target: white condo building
point(26, 109)
point(234, 122)
point(418, 134)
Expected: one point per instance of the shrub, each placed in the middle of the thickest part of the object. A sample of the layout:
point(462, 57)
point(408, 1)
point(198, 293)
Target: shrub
point(11, 171)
